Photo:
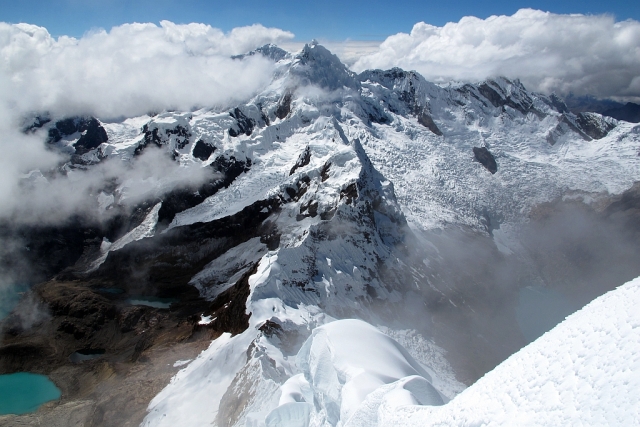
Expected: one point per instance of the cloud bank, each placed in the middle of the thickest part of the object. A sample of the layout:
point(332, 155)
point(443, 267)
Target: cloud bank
point(128, 71)
point(132, 69)
point(563, 53)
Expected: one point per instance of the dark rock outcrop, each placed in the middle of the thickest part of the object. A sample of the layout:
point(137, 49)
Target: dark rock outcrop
point(153, 135)
point(284, 106)
point(594, 125)
point(202, 150)
point(493, 93)
point(485, 157)
point(244, 124)
point(92, 132)
point(425, 120)
point(303, 160)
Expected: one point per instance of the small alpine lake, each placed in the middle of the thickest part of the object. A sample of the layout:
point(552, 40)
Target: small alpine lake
point(24, 392)
point(151, 301)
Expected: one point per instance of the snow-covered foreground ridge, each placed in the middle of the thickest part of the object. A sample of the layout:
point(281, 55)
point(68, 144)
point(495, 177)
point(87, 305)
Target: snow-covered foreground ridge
point(585, 371)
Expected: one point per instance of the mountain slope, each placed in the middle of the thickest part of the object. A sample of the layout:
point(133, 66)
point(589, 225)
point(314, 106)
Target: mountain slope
point(568, 376)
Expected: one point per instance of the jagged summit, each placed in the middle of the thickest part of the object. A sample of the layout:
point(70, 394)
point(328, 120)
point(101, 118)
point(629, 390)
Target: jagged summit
point(269, 50)
point(316, 65)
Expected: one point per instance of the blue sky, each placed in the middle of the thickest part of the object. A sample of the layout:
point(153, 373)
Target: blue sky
point(328, 19)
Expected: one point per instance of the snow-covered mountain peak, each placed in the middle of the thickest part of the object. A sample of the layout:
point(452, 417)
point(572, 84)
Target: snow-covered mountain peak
point(270, 51)
point(316, 65)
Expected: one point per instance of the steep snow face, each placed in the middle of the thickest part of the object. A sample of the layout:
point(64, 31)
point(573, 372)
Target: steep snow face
point(350, 160)
point(424, 145)
point(315, 65)
point(342, 363)
point(586, 371)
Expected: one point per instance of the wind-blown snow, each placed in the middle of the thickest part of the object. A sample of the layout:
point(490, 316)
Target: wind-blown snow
point(585, 371)
point(342, 363)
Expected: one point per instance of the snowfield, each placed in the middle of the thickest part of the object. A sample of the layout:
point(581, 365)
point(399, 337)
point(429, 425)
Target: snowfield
point(404, 148)
point(585, 371)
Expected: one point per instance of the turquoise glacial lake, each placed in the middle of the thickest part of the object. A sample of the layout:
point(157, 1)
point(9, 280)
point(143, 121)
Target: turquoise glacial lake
point(24, 392)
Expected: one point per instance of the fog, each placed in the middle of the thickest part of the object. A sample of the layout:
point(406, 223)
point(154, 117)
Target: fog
point(131, 70)
point(474, 296)
point(128, 71)
point(52, 199)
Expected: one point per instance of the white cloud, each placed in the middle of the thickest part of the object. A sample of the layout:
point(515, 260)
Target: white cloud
point(133, 68)
point(582, 54)
point(349, 51)
point(128, 71)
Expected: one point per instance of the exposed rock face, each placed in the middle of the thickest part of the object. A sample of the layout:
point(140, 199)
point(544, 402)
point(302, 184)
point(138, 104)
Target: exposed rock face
point(494, 92)
point(177, 137)
point(594, 125)
point(39, 252)
point(202, 150)
point(303, 160)
point(485, 157)
point(244, 125)
point(406, 83)
point(284, 106)
point(93, 134)
point(425, 120)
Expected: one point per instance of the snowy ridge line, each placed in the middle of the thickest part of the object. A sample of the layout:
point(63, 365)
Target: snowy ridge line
point(585, 371)
point(419, 135)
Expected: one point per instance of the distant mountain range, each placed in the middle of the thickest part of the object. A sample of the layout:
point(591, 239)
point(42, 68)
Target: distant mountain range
point(629, 112)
